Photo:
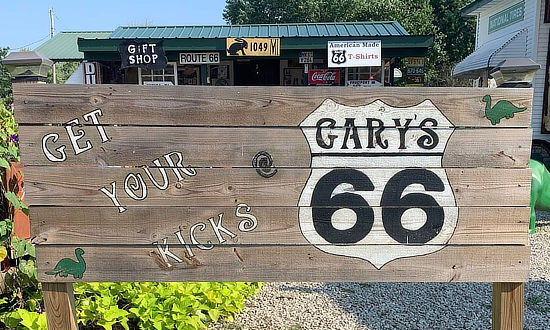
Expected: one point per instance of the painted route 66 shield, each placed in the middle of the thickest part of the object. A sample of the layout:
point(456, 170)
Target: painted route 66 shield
point(377, 190)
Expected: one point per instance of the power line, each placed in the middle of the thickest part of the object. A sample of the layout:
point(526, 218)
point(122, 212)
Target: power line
point(32, 43)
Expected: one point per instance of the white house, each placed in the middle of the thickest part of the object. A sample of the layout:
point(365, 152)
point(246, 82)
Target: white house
point(512, 29)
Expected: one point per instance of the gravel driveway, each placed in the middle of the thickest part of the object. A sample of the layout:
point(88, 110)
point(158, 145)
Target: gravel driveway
point(396, 305)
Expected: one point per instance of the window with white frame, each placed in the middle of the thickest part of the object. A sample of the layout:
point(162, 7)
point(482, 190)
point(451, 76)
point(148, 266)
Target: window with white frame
point(168, 74)
point(365, 73)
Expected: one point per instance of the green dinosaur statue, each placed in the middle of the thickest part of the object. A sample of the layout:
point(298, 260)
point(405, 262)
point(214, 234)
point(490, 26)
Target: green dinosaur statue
point(540, 190)
point(67, 266)
point(503, 109)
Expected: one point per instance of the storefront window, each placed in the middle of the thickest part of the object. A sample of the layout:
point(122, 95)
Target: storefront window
point(365, 73)
point(167, 74)
point(220, 74)
point(364, 76)
point(189, 75)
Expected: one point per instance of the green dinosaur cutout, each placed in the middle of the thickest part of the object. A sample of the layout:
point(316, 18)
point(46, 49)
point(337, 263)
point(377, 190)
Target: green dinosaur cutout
point(503, 109)
point(67, 266)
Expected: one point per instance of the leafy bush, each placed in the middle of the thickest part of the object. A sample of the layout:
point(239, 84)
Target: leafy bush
point(152, 305)
point(23, 319)
point(9, 150)
point(21, 302)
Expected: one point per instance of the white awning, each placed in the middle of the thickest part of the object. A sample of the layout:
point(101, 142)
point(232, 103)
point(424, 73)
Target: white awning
point(491, 53)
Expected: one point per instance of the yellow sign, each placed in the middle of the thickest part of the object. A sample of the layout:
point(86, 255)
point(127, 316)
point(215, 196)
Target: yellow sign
point(253, 46)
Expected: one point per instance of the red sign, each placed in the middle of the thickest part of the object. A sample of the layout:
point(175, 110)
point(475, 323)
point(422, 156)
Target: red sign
point(323, 77)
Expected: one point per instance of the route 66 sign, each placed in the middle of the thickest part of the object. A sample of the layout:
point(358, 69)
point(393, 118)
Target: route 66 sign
point(390, 209)
point(355, 53)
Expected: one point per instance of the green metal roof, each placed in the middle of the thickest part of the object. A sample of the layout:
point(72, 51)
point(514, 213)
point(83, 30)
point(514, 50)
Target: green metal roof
point(63, 46)
point(354, 29)
point(294, 37)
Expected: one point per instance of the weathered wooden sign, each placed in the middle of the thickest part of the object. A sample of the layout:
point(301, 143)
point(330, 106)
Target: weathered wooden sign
point(148, 183)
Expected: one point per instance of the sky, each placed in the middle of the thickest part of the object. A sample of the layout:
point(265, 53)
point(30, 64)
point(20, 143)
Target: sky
point(27, 23)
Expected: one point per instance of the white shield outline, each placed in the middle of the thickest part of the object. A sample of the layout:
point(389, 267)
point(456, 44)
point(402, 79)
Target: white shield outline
point(379, 250)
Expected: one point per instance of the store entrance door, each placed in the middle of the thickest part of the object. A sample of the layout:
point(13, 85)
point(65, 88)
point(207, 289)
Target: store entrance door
point(257, 73)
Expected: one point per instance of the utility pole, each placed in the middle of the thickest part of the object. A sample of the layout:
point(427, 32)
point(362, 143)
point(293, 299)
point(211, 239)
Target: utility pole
point(52, 33)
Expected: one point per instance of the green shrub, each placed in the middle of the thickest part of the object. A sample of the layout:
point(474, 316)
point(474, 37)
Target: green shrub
point(23, 319)
point(188, 305)
point(22, 301)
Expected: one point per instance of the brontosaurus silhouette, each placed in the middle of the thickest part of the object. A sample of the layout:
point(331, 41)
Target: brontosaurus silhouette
point(67, 266)
point(502, 109)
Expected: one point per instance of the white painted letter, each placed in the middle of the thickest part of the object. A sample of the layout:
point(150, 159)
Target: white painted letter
point(75, 137)
point(112, 196)
point(135, 186)
point(60, 149)
point(162, 171)
point(164, 252)
point(182, 241)
point(249, 222)
point(178, 165)
point(201, 227)
point(219, 227)
point(93, 115)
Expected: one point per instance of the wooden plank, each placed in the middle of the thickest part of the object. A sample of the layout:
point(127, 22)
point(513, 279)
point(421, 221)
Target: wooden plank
point(59, 304)
point(135, 146)
point(231, 186)
point(508, 306)
point(246, 106)
point(275, 225)
point(288, 263)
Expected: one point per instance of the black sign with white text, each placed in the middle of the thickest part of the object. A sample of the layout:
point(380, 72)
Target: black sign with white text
point(145, 55)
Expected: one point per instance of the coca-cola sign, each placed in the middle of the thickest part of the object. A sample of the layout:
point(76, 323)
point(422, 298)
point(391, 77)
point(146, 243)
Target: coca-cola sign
point(324, 77)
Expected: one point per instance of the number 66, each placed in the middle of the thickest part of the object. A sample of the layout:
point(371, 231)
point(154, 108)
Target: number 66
point(324, 205)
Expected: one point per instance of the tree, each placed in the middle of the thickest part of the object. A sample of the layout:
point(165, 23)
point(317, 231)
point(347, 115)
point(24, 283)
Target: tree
point(63, 71)
point(5, 80)
point(291, 11)
point(453, 35)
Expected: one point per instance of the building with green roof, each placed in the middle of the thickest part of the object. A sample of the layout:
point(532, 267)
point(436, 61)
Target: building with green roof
point(63, 46)
point(238, 54)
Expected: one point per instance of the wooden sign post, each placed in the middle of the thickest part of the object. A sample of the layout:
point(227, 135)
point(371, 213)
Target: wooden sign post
point(148, 183)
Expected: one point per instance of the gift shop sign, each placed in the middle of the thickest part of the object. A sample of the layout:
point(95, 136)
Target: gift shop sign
point(354, 53)
point(145, 55)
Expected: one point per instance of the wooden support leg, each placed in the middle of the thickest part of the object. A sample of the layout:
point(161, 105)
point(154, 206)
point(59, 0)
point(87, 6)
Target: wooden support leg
point(508, 306)
point(59, 304)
